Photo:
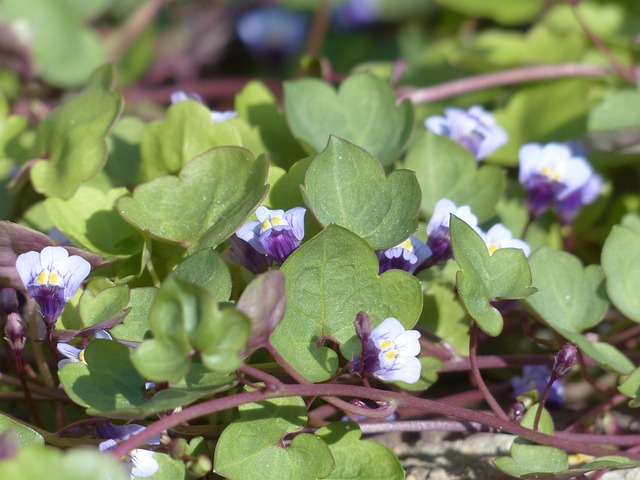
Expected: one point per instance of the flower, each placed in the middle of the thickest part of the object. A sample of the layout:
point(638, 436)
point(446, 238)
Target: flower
point(216, 116)
point(407, 256)
point(356, 13)
point(536, 377)
point(438, 229)
point(475, 129)
point(276, 233)
point(557, 174)
point(390, 353)
point(139, 462)
point(500, 236)
point(52, 278)
point(75, 354)
point(272, 33)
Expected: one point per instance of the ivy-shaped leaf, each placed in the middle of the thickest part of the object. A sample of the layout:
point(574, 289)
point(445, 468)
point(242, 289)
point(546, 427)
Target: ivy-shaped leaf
point(329, 280)
point(359, 459)
point(253, 445)
point(212, 197)
point(345, 185)
point(363, 111)
point(72, 139)
point(482, 277)
point(445, 169)
point(621, 265)
point(185, 317)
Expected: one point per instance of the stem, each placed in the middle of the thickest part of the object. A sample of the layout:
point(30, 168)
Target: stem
point(270, 382)
point(424, 426)
point(318, 30)
point(543, 400)
point(475, 373)
point(354, 391)
point(496, 361)
point(25, 388)
point(499, 79)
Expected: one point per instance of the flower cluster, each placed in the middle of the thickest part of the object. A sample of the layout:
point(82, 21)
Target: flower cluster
point(216, 116)
point(389, 351)
point(52, 278)
point(475, 129)
point(557, 175)
point(272, 237)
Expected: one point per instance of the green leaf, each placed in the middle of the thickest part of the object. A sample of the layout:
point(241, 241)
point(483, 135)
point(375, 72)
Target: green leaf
point(363, 111)
point(347, 186)
point(95, 307)
point(445, 169)
point(207, 269)
point(614, 124)
point(24, 434)
point(257, 105)
point(54, 464)
point(569, 296)
point(124, 151)
point(185, 317)
point(285, 193)
point(529, 459)
point(135, 327)
point(505, 12)
point(604, 354)
point(212, 197)
point(445, 316)
point(631, 388)
point(330, 279)
point(90, 219)
point(253, 444)
point(186, 132)
point(72, 138)
point(356, 458)
point(621, 265)
point(504, 275)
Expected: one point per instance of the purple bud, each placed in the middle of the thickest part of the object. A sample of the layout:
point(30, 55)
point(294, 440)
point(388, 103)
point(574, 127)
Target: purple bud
point(565, 359)
point(14, 332)
point(363, 326)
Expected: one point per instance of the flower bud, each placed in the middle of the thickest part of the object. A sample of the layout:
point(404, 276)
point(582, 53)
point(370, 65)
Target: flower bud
point(565, 359)
point(178, 448)
point(14, 332)
point(363, 326)
point(199, 466)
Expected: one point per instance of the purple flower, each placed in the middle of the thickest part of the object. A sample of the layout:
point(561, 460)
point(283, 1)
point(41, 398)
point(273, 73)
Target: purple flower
point(138, 462)
point(536, 377)
point(500, 236)
point(52, 278)
point(390, 353)
point(75, 354)
point(475, 129)
point(216, 116)
point(407, 256)
point(438, 229)
point(555, 174)
point(272, 33)
point(356, 13)
point(276, 233)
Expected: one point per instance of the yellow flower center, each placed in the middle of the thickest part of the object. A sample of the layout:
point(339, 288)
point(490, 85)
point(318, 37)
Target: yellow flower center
point(81, 357)
point(407, 245)
point(273, 222)
point(49, 278)
point(492, 248)
point(551, 174)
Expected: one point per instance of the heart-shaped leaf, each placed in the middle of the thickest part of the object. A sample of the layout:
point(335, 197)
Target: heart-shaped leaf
point(363, 111)
point(254, 442)
point(185, 317)
point(90, 219)
point(359, 459)
point(621, 265)
point(347, 186)
point(329, 280)
point(569, 296)
point(186, 132)
point(97, 306)
point(445, 169)
point(212, 197)
point(207, 269)
point(482, 278)
point(73, 137)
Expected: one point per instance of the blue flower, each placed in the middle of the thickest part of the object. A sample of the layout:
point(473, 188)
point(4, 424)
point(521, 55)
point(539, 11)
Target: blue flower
point(52, 278)
point(276, 233)
point(75, 354)
point(272, 33)
point(556, 174)
point(438, 230)
point(407, 256)
point(216, 116)
point(138, 462)
point(500, 236)
point(390, 353)
point(536, 377)
point(475, 129)
point(356, 13)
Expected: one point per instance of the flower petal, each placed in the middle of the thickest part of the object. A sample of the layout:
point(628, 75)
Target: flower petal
point(29, 267)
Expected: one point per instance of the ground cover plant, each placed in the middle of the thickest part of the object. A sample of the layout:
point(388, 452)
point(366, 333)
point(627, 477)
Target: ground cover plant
point(238, 237)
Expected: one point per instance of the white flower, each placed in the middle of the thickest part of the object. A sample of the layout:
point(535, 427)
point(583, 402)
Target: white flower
point(500, 236)
point(393, 351)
